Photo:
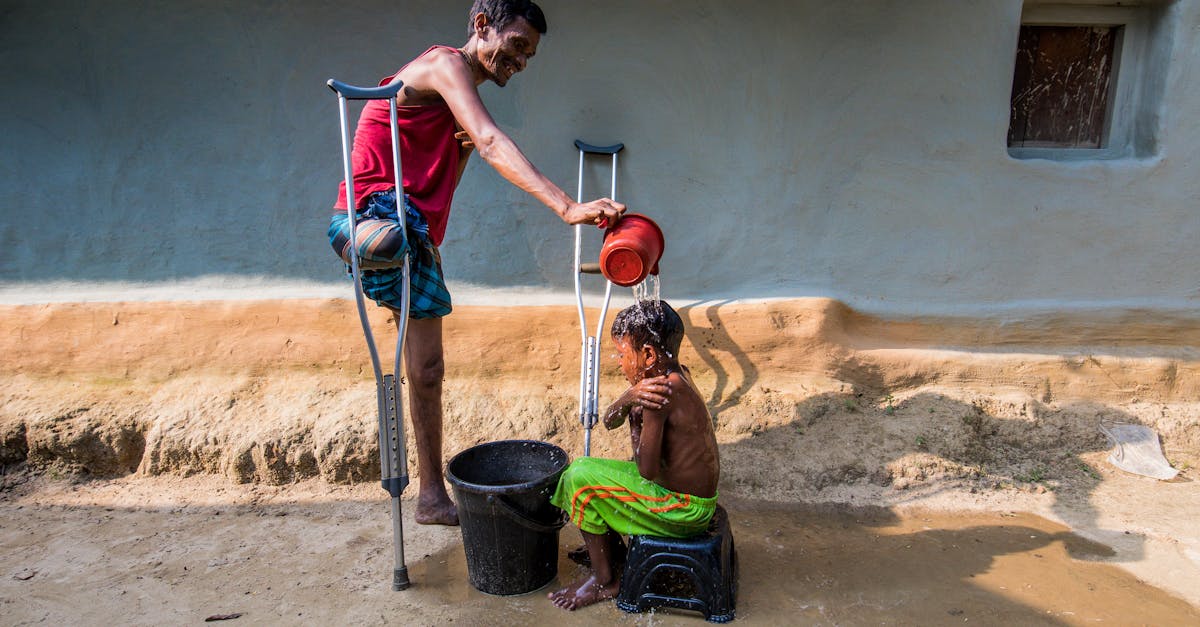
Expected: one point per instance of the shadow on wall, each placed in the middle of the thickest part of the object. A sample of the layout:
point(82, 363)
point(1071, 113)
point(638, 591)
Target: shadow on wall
point(921, 445)
point(888, 431)
point(712, 339)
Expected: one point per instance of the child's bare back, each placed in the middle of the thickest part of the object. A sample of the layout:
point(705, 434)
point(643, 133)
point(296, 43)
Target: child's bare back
point(687, 451)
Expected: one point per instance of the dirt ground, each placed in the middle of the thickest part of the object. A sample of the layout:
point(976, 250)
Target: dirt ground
point(166, 462)
point(170, 550)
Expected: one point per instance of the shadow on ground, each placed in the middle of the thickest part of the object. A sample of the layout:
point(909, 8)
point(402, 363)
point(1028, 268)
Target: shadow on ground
point(330, 561)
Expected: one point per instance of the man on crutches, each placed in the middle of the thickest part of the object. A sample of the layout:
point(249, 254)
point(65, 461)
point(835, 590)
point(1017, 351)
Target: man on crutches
point(440, 119)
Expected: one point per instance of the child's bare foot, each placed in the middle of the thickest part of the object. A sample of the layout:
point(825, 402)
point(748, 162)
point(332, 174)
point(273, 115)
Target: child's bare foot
point(580, 556)
point(441, 511)
point(584, 593)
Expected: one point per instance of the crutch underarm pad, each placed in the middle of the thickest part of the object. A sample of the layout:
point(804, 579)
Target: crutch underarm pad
point(350, 92)
point(599, 150)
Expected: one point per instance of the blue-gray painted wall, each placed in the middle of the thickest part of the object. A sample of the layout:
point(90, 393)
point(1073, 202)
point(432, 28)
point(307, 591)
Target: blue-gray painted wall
point(788, 148)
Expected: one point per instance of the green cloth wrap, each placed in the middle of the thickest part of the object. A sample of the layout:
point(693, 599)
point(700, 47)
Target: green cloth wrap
point(601, 494)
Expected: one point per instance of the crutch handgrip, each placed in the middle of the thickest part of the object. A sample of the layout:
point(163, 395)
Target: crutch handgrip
point(589, 268)
point(350, 92)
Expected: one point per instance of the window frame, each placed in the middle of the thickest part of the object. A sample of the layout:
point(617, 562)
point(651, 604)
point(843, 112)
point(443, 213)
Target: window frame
point(1128, 51)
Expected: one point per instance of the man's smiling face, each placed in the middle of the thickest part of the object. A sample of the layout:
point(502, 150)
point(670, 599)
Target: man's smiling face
point(507, 51)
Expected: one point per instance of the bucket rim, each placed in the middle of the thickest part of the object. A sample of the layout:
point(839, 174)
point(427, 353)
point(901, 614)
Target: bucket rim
point(461, 484)
point(644, 219)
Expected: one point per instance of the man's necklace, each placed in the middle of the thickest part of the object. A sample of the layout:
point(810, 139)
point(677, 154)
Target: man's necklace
point(470, 61)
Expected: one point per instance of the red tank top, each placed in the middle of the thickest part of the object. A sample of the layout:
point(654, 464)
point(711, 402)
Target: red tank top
point(429, 157)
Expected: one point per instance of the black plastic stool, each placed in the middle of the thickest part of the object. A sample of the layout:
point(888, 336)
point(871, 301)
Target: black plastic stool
point(697, 573)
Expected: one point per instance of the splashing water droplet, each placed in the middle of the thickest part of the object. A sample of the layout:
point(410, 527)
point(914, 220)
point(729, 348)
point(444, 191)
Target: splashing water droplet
point(649, 289)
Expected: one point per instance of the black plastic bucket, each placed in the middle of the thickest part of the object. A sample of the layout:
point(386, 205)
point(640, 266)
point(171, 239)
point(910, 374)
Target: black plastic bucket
point(509, 527)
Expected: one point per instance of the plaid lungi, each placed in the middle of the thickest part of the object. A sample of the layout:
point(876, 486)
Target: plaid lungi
point(380, 238)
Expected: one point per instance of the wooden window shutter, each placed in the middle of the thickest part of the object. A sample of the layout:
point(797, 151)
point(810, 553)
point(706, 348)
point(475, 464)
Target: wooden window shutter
point(1060, 95)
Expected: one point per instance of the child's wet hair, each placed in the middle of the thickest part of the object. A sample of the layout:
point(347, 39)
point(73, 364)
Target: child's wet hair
point(651, 322)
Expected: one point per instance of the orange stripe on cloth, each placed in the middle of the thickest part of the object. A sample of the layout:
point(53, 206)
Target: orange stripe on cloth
point(576, 506)
point(687, 500)
point(575, 497)
point(623, 498)
point(631, 496)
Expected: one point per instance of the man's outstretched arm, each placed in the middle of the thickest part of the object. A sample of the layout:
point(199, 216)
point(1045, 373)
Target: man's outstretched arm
point(449, 75)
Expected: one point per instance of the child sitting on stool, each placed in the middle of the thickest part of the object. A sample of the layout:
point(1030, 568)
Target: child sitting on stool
point(670, 489)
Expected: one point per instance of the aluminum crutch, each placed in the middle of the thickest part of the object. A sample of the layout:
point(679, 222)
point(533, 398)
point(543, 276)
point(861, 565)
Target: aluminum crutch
point(393, 459)
point(589, 363)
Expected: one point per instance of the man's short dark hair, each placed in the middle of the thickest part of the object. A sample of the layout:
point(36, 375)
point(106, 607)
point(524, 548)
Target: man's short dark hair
point(651, 322)
point(502, 12)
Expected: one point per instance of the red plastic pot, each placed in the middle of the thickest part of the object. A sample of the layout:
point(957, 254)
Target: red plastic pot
point(631, 251)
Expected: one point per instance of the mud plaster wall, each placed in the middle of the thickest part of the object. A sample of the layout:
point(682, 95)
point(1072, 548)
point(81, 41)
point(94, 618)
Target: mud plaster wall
point(807, 395)
point(853, 150)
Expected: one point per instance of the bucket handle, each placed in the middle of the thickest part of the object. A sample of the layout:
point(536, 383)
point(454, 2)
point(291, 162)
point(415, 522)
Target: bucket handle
point(521, 519)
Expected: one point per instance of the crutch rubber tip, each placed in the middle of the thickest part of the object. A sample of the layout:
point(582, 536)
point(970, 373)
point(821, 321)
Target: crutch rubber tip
point(400, 579)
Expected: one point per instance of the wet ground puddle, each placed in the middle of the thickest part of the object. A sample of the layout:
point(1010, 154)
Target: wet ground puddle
point(832, 564)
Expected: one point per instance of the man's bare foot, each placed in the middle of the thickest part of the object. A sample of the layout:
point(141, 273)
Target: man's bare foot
point(440, 512)
point(584, 593)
